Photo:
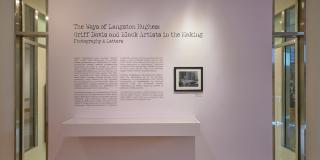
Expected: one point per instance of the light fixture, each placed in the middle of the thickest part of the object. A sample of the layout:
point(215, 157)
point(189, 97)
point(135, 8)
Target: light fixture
point(36, 14)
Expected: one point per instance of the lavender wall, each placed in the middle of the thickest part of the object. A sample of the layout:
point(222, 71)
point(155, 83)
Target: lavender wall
point(235, 109)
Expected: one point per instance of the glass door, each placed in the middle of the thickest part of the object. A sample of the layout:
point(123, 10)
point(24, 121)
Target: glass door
point(29, 92)
point(286, 101)
point(31, 73)
point(289, 79)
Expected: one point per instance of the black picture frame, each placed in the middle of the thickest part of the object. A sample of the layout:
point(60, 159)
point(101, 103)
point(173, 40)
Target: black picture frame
point(192, 80)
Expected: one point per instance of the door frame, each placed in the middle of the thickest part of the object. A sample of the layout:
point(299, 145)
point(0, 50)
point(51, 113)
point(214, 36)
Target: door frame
point(20, 39)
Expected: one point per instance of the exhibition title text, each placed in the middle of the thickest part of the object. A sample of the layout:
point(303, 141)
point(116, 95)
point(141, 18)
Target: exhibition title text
point(118, 33)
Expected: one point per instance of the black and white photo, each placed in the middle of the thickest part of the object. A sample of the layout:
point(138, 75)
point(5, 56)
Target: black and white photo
point(188, 79)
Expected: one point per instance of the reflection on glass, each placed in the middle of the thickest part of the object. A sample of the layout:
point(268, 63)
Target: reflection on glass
point(285, 63)
point(290, 98)
point(278, 23)
point(285, 19)
point(290, 19)
point(34, 21)
point(278, 27)
point(29, 19)
point(42, 27)
point(285, 100)
point(29, 106)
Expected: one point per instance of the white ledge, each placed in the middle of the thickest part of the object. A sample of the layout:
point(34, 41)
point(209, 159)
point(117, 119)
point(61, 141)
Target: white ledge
point(118, 127)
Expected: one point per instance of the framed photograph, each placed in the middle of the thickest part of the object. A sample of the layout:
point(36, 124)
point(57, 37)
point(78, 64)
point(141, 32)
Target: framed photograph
point(188, 79)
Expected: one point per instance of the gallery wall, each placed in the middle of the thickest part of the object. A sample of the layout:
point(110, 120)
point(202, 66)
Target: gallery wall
point(234, 109)
point(313, 76)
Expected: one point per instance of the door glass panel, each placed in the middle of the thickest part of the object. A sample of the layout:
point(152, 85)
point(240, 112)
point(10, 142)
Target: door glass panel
point(285, 101)
point(285, 16)
point(290, 19)
point(279, 22)
point(290, 118)
point(39, 5)
point(41, 27)
point(29, 104)
point(29, 22)
point(29, 18)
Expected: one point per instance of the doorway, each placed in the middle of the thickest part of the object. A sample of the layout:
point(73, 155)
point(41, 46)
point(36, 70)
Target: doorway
point(289, 80)
point(31, 74)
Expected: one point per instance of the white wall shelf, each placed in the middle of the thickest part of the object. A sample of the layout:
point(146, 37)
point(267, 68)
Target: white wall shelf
point(119, 127)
